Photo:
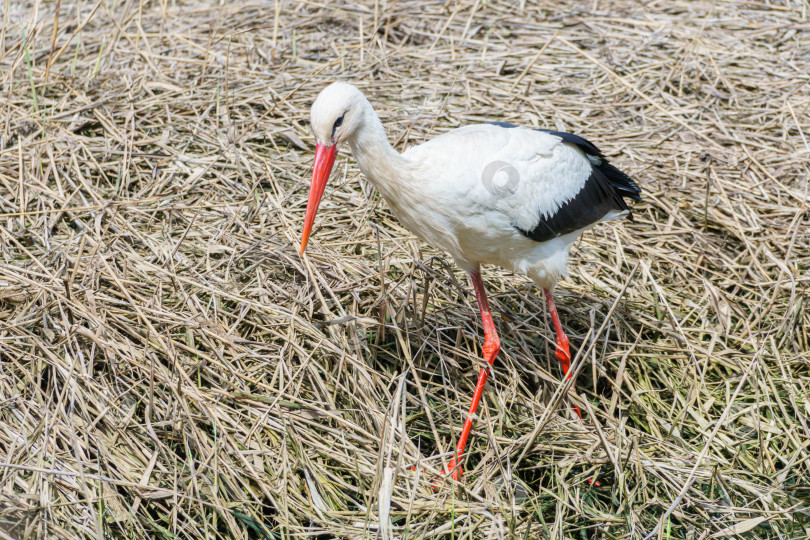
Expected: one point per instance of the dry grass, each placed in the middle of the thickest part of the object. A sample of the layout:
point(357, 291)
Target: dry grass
point(172, 369)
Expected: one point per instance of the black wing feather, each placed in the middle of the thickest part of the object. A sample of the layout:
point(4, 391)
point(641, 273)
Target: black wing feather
point(593, 202)
point(604, 191)
point(617, 179)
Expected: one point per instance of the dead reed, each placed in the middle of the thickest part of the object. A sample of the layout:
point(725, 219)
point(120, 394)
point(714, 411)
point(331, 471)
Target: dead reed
point(170, 368)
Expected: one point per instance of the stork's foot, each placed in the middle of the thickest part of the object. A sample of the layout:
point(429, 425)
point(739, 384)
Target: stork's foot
point(563, 354)
point(434, 482)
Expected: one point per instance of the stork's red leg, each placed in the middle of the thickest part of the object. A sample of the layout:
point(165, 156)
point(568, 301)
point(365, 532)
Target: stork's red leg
point(492, 344)
point(562, 352)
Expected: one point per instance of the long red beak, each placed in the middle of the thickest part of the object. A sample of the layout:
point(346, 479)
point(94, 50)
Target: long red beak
point(324, 160)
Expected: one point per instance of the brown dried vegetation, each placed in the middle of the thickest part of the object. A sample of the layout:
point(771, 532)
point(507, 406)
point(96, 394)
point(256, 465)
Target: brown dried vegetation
point(170, 367)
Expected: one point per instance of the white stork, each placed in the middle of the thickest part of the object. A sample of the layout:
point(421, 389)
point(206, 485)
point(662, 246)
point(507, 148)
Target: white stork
point(487, 194)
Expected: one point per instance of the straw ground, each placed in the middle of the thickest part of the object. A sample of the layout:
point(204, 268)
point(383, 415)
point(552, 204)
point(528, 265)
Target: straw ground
point(172, 369)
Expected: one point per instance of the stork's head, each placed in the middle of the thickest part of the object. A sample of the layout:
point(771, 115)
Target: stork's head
point(338, 111)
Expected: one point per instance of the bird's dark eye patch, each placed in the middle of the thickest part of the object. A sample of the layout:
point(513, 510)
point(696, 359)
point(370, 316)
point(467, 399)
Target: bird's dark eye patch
point(338, 123)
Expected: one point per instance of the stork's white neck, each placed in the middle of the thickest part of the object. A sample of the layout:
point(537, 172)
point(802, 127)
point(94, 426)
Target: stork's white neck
point(386, 168)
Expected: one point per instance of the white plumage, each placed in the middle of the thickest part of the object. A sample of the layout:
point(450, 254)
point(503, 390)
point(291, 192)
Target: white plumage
point(483, 214)
point(439, 192)
point(486, 194)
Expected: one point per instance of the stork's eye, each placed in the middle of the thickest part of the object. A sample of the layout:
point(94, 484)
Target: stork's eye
point(338, 123)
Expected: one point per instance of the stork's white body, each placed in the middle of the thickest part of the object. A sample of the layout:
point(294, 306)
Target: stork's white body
point(443, 192)
point(487, 194)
